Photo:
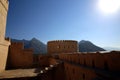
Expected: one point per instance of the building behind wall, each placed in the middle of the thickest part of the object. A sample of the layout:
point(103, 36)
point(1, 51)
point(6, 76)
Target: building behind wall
point(4, 43)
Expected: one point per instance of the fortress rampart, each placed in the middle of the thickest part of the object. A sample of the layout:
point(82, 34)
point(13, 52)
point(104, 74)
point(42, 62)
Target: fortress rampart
point(89, 66)
point(108, 61)
point(60, 46)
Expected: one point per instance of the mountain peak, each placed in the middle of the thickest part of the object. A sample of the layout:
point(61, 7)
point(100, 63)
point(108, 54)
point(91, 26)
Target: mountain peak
point(34, 38)
point(84, 41)
point(87, 46)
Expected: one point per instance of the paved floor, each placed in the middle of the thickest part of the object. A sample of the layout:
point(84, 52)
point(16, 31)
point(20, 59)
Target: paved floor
point(18, 73)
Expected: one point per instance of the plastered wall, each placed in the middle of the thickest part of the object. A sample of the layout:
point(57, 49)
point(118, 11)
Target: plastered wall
point(3, 18)
point(4, 43)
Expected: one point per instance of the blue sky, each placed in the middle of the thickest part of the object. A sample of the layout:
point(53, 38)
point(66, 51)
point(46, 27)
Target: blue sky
point(63, 20)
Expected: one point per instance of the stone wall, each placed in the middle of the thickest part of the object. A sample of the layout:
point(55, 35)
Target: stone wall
point(60, 46)
point(4, 43)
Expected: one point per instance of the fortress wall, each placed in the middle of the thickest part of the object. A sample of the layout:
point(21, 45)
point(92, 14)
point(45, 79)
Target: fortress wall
point(46, 61)
point(82, 58)
point(28, 57)
point(52, 61)
point(20, 57)
point(89, 60)
point(94, 60)
point(82, 66)
point(4, 44)
point(107, 61)
point(73, 72)
point(17, 45)
point(60, 46)
point(98, 60)
point(43, 60)
point(58, 72)
point(112, 61)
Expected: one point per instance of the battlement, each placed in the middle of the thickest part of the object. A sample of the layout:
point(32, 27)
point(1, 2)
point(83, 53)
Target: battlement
point(60, 46)
point(18, 45)
point(107, 60)
point(62, 41)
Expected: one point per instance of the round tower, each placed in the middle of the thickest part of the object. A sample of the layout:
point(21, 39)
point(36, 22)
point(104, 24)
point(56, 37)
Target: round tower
point(62, 46)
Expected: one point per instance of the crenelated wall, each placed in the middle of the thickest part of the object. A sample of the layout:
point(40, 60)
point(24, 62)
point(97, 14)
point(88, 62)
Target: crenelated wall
point(60, 46)
point(19, 57)
point(4, 43)
point(89, 66)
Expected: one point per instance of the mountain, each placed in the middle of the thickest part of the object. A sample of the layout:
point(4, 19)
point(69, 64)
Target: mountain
point(38, 46)
point(87, 46)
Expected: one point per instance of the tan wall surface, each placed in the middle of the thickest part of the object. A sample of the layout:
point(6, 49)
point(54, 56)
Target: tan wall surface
point(43, 60)
point(112, 61)
point(4, 44)
point(3, 17)
point(20, 57)
point(98, 60)
point(61, 46)
point(73, 72)
point(3, 57)
point(88, 63)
